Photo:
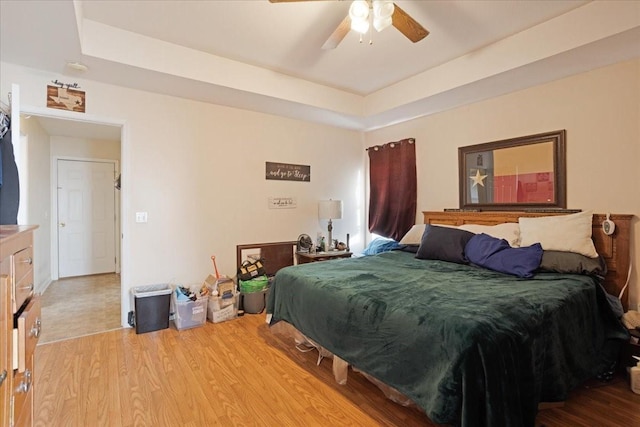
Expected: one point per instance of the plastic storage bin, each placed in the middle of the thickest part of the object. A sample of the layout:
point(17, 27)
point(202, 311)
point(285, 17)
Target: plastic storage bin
point(189, 314)
point(151, 307)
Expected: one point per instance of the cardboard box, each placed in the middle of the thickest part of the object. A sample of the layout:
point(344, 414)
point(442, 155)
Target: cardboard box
point(223, 285)
point(220, 309)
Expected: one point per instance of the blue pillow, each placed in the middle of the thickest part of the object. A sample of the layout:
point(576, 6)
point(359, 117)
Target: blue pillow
point(379, 245)
point(496, 254)
point(444, 243)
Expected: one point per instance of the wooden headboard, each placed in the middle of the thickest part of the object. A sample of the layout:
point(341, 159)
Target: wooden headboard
point(614, 248)
point(276, 255)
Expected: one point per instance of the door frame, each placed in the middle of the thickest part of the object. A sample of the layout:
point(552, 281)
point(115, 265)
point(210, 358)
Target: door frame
point(125, 204)
point(55, 243)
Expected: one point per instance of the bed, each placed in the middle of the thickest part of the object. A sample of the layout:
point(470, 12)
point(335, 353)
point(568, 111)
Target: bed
point(469, 345)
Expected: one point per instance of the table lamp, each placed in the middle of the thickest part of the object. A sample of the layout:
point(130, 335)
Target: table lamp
point(330, 209)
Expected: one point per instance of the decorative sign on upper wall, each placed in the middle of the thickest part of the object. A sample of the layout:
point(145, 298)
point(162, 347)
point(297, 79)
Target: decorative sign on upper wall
point(282, 202)
point(288, 172)
point(65, 96)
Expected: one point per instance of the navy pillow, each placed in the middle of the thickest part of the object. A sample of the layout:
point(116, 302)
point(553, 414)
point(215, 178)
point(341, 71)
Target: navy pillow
point(409, 248)
point(444, 243)
point(496, 254)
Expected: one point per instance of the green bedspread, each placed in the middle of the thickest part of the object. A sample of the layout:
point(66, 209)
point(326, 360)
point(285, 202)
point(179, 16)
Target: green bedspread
point(468, 345)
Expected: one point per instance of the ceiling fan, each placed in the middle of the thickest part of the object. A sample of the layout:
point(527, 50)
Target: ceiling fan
point(381, 14)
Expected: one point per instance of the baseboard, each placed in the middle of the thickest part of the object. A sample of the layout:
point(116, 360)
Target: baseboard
point(43, 286)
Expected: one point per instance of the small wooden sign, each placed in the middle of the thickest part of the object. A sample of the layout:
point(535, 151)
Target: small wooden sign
point(282, 202)
point(64, 98)
point(288, 172)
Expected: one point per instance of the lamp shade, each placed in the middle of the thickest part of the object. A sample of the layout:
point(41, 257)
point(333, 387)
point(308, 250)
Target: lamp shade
point(330, 209)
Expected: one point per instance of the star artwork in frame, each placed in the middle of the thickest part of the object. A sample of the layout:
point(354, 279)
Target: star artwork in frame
point(478, 178)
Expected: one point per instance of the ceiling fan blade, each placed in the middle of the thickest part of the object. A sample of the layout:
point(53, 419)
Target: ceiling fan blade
point(338, 34)
point(407, 25)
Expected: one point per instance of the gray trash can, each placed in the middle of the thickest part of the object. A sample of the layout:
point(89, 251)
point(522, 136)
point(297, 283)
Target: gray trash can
point(254, 302)
point(151, 307)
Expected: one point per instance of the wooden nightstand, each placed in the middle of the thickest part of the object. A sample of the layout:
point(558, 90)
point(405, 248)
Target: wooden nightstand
point(305, 257)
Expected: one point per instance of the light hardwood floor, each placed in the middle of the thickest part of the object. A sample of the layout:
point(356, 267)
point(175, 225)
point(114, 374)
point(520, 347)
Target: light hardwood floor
point(239, 373)
point(76, 306)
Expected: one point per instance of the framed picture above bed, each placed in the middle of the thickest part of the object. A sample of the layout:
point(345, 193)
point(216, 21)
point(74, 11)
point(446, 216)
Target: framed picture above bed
point(527, 172)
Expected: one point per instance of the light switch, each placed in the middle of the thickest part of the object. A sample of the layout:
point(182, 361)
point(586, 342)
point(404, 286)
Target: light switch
point(141, 217)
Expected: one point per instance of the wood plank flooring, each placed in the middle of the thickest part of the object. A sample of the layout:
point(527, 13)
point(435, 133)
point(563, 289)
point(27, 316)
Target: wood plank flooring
point(239, 373)
point(77, 306)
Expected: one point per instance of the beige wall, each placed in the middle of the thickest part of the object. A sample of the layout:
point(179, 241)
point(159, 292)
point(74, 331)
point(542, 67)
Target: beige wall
point(600, 111)
point(84, 148)
point(199, 171)
point(35, 199)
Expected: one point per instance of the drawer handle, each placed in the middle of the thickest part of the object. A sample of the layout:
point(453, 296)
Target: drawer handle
point(27, 261)
point(3, 376)
point(36, 328)
point(29, 287)
point(25, 384)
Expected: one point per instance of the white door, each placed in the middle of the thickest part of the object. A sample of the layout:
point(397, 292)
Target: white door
point(86, 218)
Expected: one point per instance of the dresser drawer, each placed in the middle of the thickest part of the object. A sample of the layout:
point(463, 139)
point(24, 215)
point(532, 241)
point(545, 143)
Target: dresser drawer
point(22, 290)
point(22, 263)
point(29, 326)
point(23, 396)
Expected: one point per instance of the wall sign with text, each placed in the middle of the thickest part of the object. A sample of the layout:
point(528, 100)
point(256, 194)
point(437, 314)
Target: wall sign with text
point(66, 97)
point(282, 202)
point(288, 172)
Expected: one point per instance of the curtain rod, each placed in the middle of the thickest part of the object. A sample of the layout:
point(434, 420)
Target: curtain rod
point(392, 144)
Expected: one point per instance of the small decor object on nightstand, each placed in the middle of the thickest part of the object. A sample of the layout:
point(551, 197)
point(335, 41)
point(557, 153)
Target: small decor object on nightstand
point(330, 209)
point(304, 243)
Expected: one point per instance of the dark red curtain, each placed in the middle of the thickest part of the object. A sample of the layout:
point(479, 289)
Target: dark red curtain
point(393, 188)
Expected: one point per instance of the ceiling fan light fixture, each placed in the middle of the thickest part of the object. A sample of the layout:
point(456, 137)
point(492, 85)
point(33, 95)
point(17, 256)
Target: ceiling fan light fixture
point(360, 25)
point(380, 23)
point(359, 10)
point(383, 9)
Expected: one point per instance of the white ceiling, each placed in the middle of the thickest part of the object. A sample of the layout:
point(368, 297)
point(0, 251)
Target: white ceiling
point(267, 57)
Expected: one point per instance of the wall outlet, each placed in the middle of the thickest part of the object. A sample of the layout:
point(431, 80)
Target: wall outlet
point(141, 217)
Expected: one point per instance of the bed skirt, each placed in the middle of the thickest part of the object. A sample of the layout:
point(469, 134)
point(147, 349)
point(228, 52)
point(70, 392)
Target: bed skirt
point(340, 367)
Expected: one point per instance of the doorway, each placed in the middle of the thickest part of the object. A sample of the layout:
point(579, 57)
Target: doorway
point(81, 288)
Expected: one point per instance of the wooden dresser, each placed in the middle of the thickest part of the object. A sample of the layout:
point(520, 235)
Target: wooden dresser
point(19, 325)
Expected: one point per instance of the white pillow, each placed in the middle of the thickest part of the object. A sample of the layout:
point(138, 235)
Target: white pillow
point(567, 233)
point(414, 235)
point(509, 231)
